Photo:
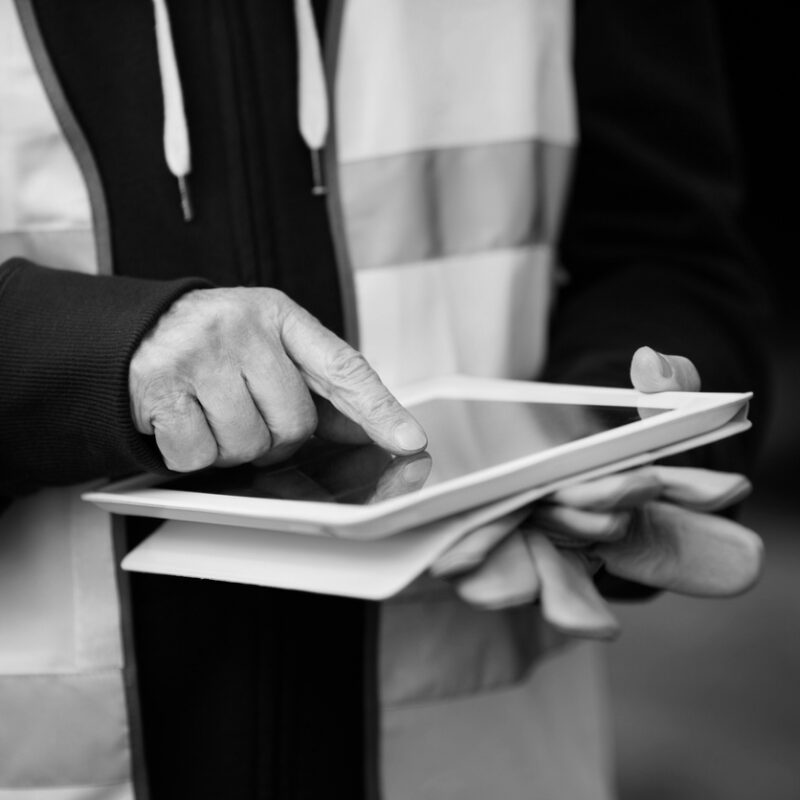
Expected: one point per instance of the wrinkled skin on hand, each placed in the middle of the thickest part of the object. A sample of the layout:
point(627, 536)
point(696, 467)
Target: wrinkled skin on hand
point(229, 376)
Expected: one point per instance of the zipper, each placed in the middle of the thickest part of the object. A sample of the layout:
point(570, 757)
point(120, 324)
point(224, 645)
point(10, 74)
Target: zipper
point(252, 240)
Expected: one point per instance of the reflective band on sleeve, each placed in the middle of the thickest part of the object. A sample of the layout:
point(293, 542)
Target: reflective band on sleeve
point(69, 248)
point(121, 791)
point(437, 203)
point(63, 730)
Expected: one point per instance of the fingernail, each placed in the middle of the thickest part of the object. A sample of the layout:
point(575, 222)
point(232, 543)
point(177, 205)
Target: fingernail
point(666, 367)
point(409, 436)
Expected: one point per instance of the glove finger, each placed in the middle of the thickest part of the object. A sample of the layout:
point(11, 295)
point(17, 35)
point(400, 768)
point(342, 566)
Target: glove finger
point(570, 601)
point(574, 527)
point(685, 551)
point(622, 490)
point(702, 489)
point(506, 578)
point(652, 371)
point(471, 550)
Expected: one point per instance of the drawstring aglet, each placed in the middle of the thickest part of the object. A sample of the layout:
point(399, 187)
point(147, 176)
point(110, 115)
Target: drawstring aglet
point(319, 187)
point(186, 198)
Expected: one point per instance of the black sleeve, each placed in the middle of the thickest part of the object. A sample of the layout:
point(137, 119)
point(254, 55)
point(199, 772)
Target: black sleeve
point(65, 343)
point(651, 244)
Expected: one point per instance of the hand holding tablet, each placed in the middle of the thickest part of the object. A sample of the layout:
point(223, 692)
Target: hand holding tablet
point(650, 525)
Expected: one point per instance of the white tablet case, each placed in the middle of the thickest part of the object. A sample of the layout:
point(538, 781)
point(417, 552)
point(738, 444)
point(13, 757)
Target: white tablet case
point(689, 414)
point(372, 570)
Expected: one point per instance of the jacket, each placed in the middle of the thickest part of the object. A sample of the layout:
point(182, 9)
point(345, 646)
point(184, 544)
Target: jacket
point(443, 195)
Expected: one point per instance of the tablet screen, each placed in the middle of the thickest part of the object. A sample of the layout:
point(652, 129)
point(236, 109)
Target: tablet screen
point(464, 436)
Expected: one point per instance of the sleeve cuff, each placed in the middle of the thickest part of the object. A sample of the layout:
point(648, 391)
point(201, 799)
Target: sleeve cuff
point(67, 340)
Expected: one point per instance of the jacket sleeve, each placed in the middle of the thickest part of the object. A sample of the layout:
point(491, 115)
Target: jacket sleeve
point(651, 245)
point(65, 343)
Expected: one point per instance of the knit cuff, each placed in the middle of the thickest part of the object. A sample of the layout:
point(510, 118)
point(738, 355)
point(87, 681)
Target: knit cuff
point(67, 340)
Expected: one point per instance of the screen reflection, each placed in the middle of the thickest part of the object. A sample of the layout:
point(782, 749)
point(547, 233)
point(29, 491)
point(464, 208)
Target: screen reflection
point(464, 436)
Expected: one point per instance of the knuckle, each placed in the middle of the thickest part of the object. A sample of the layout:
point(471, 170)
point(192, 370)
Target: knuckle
point(353, 375)
point(276, 297)
point(383, 407)
point(191, 460)
point(184, 451)
point(248, 450)
point(349, 367)
point(167, 400)
point(619, 524)
point(275, 305)
point(296, 429)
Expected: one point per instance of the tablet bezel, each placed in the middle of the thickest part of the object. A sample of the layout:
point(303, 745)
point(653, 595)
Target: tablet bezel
point(688, 414)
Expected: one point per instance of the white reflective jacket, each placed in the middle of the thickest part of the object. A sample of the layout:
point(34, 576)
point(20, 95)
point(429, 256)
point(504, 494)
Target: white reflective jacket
point(449, 188)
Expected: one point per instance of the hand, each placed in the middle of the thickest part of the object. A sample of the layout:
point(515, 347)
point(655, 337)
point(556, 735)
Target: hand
point(228, 376)
point(650, 525)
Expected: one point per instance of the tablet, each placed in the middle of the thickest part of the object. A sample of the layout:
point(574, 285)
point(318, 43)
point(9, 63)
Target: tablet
point(370, 569)
point(488, 439)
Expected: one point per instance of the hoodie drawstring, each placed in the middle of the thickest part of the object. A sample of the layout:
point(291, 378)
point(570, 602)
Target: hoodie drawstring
point(177, 150)
point(312, 99)
point(312, 93)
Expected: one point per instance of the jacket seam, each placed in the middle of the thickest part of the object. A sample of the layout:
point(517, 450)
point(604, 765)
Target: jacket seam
point(344, 264)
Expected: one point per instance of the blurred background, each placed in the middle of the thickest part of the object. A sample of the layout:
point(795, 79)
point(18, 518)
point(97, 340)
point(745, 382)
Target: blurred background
point(707, 693)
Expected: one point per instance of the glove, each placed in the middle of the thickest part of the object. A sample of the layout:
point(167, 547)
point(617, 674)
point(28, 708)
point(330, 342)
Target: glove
point(631, 524)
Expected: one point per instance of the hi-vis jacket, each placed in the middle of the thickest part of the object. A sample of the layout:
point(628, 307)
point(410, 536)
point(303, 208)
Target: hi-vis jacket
point(446, 165)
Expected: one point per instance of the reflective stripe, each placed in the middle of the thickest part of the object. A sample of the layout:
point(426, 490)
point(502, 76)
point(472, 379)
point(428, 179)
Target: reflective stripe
point(63, 730)
point(65, 249)
point(59, 609)
point(438, 203)
point(59, 614)
point(121, 791)
point(480, 314)
point(546, 737)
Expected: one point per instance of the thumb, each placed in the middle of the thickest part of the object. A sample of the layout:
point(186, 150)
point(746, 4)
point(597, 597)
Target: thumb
point(652, 371)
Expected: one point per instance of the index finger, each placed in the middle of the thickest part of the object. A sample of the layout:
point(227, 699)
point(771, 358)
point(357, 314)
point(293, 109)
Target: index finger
point(340, 374)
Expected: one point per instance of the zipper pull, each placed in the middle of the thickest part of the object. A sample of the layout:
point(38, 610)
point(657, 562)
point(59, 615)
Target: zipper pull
point(186, 198)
